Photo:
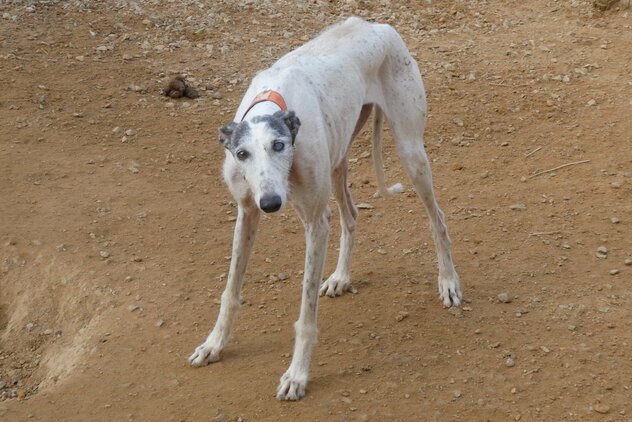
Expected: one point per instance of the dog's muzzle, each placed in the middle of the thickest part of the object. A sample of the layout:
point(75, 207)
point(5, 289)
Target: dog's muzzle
point(270, 203)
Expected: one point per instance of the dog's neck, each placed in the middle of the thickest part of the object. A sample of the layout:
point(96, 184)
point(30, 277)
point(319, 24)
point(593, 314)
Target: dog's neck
point(260, 109)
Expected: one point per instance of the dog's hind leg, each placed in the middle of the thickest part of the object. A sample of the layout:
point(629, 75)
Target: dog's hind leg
point(340, 280)
point(294, 380)
point(245, 229)
point(408, 134)
point(416, 163)
point(405, 109)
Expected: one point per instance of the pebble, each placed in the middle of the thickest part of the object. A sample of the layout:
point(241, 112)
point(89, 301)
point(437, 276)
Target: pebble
point(365, 206)
point(505, 297)
point(518, 207)
point(402, 316)
point(628, 261)
point(457, 393)
point(160, 323)
point(614, 271)
point(133, 308)
point(602, 252)
point(615, 220)
point(104, 254)
point(29, 326)
point(510, 363)
point(601, 408)
point(283, 276)
point(615, 185)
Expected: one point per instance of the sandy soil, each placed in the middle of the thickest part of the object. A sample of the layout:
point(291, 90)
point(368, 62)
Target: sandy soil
point(115, 225)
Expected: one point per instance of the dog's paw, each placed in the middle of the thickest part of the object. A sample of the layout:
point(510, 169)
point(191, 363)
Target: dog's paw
point(291, 388)
point(203, 355)
point(335, 286)
point(450, 291)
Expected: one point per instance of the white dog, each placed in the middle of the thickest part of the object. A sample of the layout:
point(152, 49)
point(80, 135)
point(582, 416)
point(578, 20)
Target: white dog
point(333, 83)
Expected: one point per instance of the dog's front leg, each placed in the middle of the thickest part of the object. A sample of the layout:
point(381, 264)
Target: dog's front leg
point(294, 381)
point(245, 229)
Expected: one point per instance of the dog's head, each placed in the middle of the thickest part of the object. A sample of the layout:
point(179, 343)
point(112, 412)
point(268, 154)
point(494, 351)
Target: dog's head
point(263, 148)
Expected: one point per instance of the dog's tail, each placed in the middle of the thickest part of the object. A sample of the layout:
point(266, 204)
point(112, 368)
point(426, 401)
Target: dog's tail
point(378, 122)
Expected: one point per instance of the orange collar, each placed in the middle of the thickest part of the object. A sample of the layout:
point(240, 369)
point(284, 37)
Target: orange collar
point(268, 95)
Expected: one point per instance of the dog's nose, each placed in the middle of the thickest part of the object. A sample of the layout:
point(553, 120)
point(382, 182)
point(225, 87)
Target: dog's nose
point(270, 203)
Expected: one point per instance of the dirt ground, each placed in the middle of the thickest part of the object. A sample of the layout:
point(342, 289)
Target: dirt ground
point(115, 224)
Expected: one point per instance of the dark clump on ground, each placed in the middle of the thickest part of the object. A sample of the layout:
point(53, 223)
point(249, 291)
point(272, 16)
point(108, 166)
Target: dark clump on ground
point(178, 88)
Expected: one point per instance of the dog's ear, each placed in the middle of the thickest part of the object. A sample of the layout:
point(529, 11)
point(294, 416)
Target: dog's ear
point(291, 121)
point(225, 133)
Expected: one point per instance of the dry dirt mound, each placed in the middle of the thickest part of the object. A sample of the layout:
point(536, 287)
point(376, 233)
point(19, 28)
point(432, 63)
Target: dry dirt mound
point(115, 225)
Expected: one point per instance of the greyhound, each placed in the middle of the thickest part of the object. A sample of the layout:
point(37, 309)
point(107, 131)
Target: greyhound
point(333, 83)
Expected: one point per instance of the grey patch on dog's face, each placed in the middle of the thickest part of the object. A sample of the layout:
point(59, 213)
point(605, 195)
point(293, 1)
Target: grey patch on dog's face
point(231, 135)
point(275, 124)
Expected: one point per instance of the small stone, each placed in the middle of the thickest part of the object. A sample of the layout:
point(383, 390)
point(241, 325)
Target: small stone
point(117, 131)
point(79, 58)
point(30, 326)
point(365, 206)
point(457, 394)
point(614, 271)
point(402, 316)
point(591, 103)
point(601, 408)
point(602, 252)
point(160, 323)
point(628, 261)
point(363, 391)
point(21, 393)
point(283, 276)
point(381, 251)
point(104, 254)
point(518, 207)
point(133, 308)
point(130, 132)
point(615, 220)
point(615, 185)
point(571, 327)
point(509, 362)
point(505, 297)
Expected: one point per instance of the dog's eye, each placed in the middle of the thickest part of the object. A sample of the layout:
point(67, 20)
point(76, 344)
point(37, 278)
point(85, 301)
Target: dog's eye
point(242, 155)
point(278, 146)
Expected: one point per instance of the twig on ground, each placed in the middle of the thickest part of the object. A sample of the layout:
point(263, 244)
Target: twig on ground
point(557, 168)
point(533, 152)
